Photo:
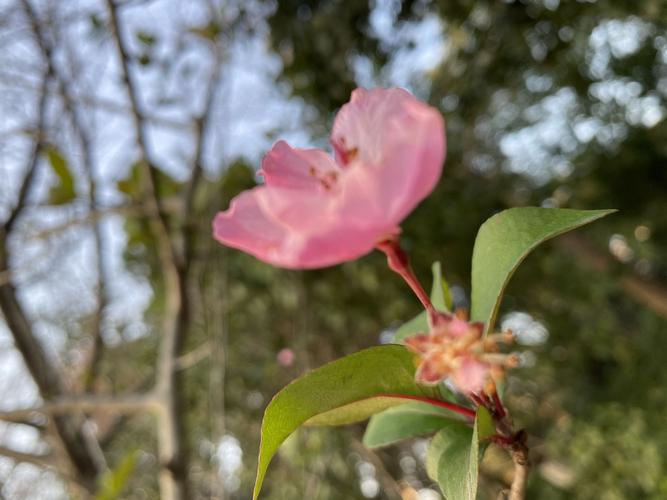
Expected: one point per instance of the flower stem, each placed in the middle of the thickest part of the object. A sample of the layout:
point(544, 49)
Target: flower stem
point(461, 410)
point(399, 262)
point(520, 458)
point(499, 407)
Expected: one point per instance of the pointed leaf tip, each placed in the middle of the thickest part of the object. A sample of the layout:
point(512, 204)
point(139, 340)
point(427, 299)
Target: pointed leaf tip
point(504, 240)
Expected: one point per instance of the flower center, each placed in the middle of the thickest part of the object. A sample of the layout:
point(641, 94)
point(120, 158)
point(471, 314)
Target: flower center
point(326, 179)
point(344, 153)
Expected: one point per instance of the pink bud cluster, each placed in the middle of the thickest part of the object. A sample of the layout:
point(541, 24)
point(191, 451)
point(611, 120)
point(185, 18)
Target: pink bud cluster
point(457, 349)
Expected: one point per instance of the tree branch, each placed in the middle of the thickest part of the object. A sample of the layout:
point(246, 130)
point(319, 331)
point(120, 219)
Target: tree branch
point(48, 380)
point(129, 404)
point(79, 127)
point(40, 460)
point(170, 431)
point(649, 293)
point(519, 454)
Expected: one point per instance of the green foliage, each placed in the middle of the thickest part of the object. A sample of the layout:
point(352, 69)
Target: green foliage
point(133, 186)
point(114, 481)
point(504, 241)
point(357, 377)
point(604, 344)
point(146, 38)
point(308, 33)
point(613, 450)
point(405, 421)
point(454, 454)
point(65, 189)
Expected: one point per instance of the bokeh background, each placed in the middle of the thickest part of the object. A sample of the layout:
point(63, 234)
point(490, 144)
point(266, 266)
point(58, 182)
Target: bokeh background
point(114, 158)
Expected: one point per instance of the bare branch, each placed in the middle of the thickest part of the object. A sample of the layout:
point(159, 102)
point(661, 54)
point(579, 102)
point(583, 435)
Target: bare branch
point(130, 404)
point(29, 175)
point(80, 129)
point(193, 357)
point(40, 460)
point(649, 293)
point(521, 465)
point(91, 217)
point(171, 432)
point(391, 488)
point(202, 124)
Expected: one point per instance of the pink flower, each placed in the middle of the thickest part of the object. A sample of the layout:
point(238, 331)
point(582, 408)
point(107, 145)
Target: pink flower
point(316, 211)
point(285, 357)
point(456, 349)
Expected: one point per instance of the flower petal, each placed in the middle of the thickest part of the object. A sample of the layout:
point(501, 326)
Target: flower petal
point(431, 370)
point(420, 343)
point(245, 226)
point(395, 148)
point(471, 375)
point(288, 167)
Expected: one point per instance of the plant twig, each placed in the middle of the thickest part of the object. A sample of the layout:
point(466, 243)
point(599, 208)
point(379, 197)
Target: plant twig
point(175, 269)
point(519, 453)
point(40, 460)
point(85, 403)
point(399, 262)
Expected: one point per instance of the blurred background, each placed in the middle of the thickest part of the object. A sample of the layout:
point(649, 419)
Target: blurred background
point(137, 355)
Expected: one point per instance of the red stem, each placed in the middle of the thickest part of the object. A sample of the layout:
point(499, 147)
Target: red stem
point(500, 440)
point(476, 399)
point(500, 408)
point(399, 262)
point(461, 410)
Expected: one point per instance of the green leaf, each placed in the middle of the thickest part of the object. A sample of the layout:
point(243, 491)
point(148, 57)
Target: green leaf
point(114, 481)
point(146, 38)
point(453, 457)
point(368, 374)
point(64, 191)
point(404, 422)
point(505, 240)
point(441, 299)
point(485, 426)
point(354, 412)
point(131, 186)
point(452, 441)
point(441, 296)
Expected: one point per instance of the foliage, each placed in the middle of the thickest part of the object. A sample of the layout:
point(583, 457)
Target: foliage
point(592, 393)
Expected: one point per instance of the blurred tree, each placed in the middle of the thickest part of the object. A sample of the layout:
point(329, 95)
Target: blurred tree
point(549, 102)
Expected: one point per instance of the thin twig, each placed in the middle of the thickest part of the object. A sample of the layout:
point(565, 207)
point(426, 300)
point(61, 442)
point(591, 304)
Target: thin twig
point(85, 403)
point(171, 431)
point(391, 488)
point(193, 357)
point(40, 460)
point(73, 443)
point(80, 129)
point(520, 458)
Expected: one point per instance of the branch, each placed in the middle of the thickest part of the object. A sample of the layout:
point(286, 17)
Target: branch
point(391, 488)
point(193, 357)
point(202, 124)
point(649, 293)
point(520, 458)
point(27, 181)
point(91, 217)
point(170, 430)
point(80, 129)
point(87, 403)
point(40, 460)
point(44, 460)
